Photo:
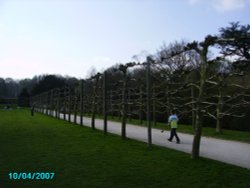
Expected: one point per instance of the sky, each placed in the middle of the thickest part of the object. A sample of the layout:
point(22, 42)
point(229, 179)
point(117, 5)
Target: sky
point(73, 37)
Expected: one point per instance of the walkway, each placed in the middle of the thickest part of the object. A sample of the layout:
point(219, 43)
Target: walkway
point(230, 152)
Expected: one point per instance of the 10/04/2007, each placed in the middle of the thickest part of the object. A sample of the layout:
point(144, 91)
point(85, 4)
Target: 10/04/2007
point(31, 175)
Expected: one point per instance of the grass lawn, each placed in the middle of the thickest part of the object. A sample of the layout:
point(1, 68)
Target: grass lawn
point(81, 157)
point(242, 136)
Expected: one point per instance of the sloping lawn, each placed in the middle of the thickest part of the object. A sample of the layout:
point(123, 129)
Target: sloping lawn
point(81, 157)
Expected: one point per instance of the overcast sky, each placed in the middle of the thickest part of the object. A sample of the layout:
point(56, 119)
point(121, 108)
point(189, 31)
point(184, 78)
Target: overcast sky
point(68, 37)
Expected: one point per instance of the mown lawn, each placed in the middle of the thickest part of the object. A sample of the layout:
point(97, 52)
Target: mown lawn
point(82, 157)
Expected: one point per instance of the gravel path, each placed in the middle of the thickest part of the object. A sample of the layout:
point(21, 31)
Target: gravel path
point(230, 152)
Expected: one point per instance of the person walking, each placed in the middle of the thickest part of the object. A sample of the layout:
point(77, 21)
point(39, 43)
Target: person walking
point(173, 122)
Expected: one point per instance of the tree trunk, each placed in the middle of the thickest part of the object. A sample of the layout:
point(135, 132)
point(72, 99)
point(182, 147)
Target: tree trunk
point(218, 126)
point(111, 104)
point(168, 100)
point(58, 103)
point(75, 108)
point(218, 120)
point(64, 103)
point(51, 103)
point(129, 106)
point(193, 108)
point(81, 102)
point(69, 105)
point(218, 112)
point(94, 102)
point(105, 102)
point(47, 103)
point(154, 107)
point(197, 137)
point(199, 114)
point(141, 105)
point(149, 104)
point(124, 105)
point(93, 114)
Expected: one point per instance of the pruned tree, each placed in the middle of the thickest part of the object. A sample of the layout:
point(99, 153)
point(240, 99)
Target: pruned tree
point(235, 44)
point(94, 98)
point(124, 69)
point(202, 50)
point(227, 98)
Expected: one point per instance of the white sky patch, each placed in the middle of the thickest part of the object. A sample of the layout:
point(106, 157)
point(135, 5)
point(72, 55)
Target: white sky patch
point(193, 2)
point(20, 68)
point(3, 31)
point(102, 62)
point(2, 26)
point(229, 5)
point(102, 59)
point(222, 5)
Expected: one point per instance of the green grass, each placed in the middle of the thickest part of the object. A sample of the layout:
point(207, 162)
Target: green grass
point(82, 157)
point(241, 136)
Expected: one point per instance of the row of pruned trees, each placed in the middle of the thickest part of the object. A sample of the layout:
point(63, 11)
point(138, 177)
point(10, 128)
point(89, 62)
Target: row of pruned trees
point(181, 76)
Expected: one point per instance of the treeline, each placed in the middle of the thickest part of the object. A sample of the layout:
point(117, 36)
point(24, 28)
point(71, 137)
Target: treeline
point(13, 91)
